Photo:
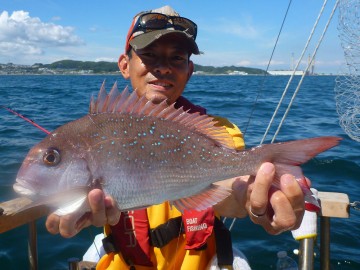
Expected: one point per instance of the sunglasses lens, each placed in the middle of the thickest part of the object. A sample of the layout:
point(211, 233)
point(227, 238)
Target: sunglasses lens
point(153, 21)
point(184, 24)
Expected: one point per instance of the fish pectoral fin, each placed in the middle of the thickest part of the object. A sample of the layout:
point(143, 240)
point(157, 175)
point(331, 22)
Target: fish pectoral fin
point(72, 206)
point(210, 196)
point(65, 202)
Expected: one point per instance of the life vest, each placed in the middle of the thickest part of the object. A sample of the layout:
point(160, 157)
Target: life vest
point(159, 237)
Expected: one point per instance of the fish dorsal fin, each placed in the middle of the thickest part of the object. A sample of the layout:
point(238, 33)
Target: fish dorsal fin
point(126, 102)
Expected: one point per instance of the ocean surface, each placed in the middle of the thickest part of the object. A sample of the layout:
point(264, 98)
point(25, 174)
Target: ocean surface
point(54, 100)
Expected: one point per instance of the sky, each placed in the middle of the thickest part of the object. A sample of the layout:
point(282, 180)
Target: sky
point(230, 32)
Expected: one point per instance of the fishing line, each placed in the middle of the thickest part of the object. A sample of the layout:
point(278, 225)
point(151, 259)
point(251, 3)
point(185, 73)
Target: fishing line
point(299, 84)
point(292, 75)
point(92, 236)
point(306, 70)
point(261, 87)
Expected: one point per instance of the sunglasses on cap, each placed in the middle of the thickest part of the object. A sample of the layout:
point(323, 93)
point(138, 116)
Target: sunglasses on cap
point(156, 21)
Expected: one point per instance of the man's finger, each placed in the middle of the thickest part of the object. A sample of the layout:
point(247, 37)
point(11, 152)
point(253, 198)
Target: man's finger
point(112, 212)
point(260, 192)
point(52, 223)
point(284, 217)
point(96, 199)
point(67, 226)
point(292, 190)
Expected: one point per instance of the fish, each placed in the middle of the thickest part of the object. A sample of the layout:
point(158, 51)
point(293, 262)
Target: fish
point(143, 154)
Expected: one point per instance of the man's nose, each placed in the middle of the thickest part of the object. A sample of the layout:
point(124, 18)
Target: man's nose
point(162, 66)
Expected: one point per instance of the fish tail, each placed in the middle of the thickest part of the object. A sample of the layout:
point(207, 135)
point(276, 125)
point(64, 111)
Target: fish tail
point(288, 156)
point(300, 151)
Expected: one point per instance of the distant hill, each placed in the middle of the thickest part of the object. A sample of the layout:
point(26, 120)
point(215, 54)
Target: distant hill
point(227, 70)
point(96, 67)
point(106, 67)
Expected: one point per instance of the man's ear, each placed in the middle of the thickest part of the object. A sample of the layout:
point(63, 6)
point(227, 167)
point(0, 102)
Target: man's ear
point(191, 69)
point(123, 64)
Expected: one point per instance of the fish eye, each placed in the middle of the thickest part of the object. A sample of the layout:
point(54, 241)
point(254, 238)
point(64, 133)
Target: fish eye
point(51, 157)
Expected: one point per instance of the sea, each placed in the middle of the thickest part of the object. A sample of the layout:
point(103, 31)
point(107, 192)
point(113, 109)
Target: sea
point(248, 101)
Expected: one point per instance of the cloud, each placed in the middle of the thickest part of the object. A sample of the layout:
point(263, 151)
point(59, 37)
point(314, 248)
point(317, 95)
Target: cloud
point(56, 18)
point(244, 63)
point(93, 28)
point(244, 29)
point(106, 59)
point(21, 34)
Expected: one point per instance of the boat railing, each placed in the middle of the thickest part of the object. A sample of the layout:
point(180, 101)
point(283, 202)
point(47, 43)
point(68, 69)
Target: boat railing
point(333, 205)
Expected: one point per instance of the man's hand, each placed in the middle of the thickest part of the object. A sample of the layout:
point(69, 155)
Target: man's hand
point(276, 210)
point(283, 209)
point(103, 211)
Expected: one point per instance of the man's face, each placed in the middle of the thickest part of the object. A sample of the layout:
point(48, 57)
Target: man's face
point(161, 70)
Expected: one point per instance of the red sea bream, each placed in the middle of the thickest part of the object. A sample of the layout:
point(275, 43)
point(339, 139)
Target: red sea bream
point(144, 154)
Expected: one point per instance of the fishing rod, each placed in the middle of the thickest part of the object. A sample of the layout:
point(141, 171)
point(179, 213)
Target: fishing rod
point(26, 119)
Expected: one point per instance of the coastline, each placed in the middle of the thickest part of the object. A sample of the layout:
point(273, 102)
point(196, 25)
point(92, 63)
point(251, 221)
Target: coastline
point(73, 67)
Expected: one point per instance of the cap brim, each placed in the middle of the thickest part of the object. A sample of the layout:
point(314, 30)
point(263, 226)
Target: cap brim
point(144, 40)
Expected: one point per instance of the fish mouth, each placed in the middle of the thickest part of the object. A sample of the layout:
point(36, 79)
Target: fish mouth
point(23, 188)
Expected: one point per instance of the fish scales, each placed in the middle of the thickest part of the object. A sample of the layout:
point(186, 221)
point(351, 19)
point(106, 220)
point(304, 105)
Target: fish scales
point(151, 154)
point(143, 154)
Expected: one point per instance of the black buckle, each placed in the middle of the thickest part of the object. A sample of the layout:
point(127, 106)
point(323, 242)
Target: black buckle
point(109, 245)
point(164, 233)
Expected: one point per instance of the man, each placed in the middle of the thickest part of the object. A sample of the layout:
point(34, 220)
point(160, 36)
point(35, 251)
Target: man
point(157, 62)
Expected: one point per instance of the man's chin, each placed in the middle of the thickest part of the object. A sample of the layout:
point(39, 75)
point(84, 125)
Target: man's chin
point(156, 98)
